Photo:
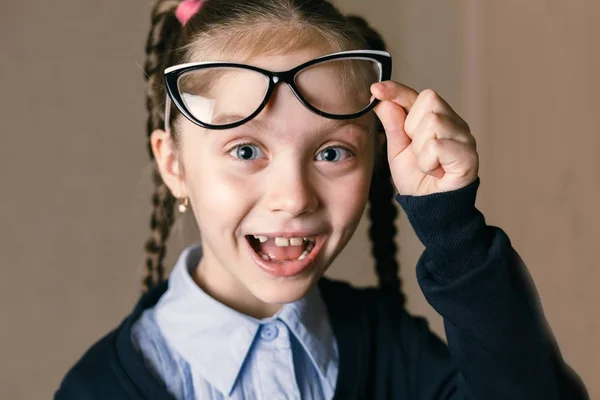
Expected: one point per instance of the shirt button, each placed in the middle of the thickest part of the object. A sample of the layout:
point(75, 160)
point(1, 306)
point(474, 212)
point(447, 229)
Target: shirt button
point(269, 332)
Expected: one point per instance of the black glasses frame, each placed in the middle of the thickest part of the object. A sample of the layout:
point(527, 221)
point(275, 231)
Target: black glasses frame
point(172, 75)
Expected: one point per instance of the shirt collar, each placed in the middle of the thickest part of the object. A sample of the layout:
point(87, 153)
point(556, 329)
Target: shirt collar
point(215, 339)
point(308, 320)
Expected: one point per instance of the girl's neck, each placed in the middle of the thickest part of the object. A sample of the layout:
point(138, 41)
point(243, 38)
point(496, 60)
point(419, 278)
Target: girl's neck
point(226, 289)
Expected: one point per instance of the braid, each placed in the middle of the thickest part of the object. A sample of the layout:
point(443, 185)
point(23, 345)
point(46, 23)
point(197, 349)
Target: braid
point(382, 210)
point(162, 37)
point(161, 222)
point(382, 230)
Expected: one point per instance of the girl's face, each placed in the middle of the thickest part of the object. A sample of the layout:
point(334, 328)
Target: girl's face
point(277, 198)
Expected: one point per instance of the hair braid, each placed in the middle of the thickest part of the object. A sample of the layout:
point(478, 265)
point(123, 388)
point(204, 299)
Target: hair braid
point(163, 35)
point(382, 210)
point(382, 230)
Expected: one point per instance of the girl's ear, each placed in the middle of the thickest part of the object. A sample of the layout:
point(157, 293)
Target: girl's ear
point(168, 163)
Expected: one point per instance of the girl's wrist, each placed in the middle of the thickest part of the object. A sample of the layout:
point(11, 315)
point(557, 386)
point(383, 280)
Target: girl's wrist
point(450, 227)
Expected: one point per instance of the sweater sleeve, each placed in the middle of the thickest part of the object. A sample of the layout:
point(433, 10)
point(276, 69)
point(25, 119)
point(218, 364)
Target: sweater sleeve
point(497, 335)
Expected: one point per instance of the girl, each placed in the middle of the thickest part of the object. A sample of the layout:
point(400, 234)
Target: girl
point(261, 124)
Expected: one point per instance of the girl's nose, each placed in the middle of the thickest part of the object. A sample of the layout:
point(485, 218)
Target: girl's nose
point(291, 191)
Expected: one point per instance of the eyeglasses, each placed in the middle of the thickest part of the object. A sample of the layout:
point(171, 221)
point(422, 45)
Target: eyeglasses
point(222, 95)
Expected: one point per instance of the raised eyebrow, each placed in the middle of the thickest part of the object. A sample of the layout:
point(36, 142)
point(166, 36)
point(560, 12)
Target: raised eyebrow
point(333, 125)
point(236, 117)
point(327, 126)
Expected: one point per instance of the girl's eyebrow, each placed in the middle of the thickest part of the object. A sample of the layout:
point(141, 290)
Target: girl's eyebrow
point(326, 125)
point(333, 125)
point(222, 119)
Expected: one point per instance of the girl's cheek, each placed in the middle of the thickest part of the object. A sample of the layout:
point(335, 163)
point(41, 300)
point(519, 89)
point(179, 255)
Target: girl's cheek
point(223, 187)
point(348, 193)
point(212, 183)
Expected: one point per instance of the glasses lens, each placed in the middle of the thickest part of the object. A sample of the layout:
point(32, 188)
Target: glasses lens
point(339, 87)
point(221, 96)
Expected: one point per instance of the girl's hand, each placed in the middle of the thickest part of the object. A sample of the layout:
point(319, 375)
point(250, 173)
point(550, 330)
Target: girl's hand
point(430, 147)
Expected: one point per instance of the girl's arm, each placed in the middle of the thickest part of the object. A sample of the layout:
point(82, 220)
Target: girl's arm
point(497, 335)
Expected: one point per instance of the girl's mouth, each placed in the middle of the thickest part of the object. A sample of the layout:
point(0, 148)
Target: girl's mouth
point(284, 256)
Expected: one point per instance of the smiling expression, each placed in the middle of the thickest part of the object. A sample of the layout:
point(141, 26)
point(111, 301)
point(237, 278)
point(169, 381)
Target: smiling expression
point(277, 198)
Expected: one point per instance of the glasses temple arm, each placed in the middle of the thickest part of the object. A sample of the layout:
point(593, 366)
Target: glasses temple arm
point(167, 113)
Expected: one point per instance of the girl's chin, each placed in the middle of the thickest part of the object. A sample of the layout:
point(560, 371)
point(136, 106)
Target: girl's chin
point(281, 292)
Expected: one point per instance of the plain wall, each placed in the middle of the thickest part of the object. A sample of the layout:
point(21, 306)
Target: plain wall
point(76, 185)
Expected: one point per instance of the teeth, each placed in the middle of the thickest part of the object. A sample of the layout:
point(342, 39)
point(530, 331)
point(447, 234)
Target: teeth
point(282, 242)
point(303, 255)
point(265, 257)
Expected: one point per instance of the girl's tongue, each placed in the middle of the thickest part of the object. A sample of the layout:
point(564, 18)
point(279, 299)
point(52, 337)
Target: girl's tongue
point(276, 253)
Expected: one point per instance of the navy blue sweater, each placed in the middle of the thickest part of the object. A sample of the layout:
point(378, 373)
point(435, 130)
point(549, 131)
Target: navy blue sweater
point(499, 345)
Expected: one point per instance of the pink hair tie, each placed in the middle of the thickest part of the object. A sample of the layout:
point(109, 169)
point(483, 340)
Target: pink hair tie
point(187, 9)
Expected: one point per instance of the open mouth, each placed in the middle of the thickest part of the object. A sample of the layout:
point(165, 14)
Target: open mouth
point(280, 249)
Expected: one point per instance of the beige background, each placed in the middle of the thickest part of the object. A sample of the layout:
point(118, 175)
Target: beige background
point(75, 177)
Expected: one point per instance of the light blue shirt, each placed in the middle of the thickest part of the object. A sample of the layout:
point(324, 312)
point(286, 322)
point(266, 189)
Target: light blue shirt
point(202, 349)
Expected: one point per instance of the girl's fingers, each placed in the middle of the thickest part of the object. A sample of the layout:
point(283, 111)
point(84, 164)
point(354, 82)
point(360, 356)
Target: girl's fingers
point(439, 126)
point(396, 92)
point(430, 147)
point(416, 105)
point(427, 102)
point(392, 117)
point(439, 157)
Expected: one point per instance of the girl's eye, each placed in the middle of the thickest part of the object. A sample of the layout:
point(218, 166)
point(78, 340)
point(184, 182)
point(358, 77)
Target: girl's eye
point(333, 154)
point(247, 152)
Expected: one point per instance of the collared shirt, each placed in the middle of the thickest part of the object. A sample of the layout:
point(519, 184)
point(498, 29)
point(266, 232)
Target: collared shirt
point(203, 349)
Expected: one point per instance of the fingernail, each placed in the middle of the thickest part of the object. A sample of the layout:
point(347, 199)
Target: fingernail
point(378, 86)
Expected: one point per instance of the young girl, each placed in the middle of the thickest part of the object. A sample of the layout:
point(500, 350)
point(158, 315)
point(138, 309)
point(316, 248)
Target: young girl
point(275, 122)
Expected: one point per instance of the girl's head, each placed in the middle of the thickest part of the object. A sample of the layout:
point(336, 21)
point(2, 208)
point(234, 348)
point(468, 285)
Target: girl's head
point(288, 174)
